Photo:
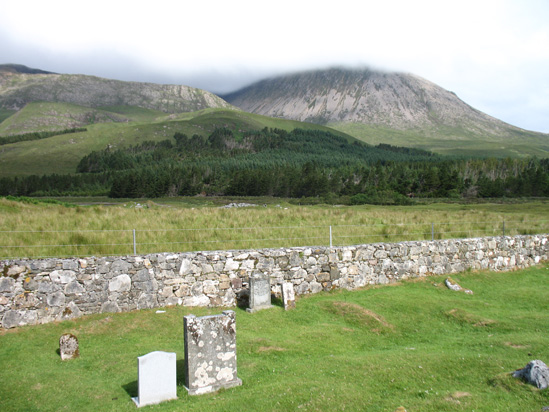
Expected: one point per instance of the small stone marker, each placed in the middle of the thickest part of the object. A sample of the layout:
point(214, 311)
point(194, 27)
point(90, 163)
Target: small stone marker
point(260, 292)
point(453, 285)
point(288, 295)
point(157, 378)
point(210, 353)
point(68, 346)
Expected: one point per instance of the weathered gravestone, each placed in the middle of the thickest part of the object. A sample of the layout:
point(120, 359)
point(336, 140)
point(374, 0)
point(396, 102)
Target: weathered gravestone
point(288, 295)
point(157, 378)
point(68, 346)
point(260, 292)
point(210, 353)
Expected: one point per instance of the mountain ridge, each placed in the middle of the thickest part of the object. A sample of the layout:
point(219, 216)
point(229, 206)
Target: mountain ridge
point(20, 85)
point(363, 99)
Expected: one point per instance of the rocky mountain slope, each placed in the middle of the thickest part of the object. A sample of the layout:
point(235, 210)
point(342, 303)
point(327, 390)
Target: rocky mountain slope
point(367, 103)
point(20, 85)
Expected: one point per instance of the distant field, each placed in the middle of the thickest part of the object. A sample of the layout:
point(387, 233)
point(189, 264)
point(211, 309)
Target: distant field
point(199, 223)
point(415, 344)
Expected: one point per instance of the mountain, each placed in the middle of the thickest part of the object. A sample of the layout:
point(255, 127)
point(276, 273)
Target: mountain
point(20, 85)
point(19, 68)
point(395, 108)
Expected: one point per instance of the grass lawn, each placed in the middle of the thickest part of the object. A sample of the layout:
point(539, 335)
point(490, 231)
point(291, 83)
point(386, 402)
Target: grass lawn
point(415, 344)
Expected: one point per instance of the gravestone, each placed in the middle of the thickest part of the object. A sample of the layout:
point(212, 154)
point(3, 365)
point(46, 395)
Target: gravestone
point(210, 353)
point(157, 378)
point(260, 292)
point(68, 346)
point(288, 295)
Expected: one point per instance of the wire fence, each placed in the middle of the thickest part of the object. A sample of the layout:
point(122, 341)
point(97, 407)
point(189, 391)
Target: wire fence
point(71, 243)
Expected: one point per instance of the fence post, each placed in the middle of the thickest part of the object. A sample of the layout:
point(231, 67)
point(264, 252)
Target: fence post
point(504, 228)
point(134, 244)
point(330, 237)
point(432, 231)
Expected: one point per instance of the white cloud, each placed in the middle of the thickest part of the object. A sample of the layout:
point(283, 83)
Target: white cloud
point(492, 53)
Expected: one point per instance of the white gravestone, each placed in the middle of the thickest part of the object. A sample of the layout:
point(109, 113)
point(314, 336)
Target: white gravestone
point(260, 292)
point(288, 295)
point(210, 353)
point(157, 378)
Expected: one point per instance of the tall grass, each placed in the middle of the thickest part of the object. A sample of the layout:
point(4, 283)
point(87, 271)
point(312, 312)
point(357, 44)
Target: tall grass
point(32, 230)
point(415, 344)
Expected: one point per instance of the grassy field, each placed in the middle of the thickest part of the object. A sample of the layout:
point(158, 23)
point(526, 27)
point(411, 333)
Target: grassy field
point(414, 344)
point(199, 223)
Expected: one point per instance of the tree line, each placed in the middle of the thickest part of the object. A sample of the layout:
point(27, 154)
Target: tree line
point(38, 135)
point(297, 164)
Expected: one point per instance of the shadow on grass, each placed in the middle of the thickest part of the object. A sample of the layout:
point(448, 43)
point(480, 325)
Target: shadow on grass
point(243, 303)
point(181, 372)
point(277, 301)
point(131, 389)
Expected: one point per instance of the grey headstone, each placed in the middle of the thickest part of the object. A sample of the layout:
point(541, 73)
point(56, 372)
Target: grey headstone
point(68, 346)
point(210, 353)
point(260, 292)
point(288, 295)
point(157, 378)
point(536, 373)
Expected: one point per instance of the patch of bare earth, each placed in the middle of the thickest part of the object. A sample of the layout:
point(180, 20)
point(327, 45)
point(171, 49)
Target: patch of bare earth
point(270, 349)
point(514, 346)
point(456, 396)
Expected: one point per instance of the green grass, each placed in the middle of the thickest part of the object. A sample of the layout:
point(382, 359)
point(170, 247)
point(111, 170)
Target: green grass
point(452, 141)
point(135, 113)
point(198, 223)
point(415, 344)
point(5, 113)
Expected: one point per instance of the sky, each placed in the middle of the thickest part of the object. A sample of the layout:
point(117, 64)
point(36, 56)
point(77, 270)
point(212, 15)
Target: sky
point(494, 54)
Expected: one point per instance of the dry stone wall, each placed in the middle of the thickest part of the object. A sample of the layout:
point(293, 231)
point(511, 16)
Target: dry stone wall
point(46, 290)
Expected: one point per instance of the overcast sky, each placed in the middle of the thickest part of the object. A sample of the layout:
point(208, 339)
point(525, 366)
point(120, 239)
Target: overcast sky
point(493, 54)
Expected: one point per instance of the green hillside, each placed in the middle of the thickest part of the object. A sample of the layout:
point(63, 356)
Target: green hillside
point(61, 153)
point(5, 113)
point(451, 141)
point(45, 116)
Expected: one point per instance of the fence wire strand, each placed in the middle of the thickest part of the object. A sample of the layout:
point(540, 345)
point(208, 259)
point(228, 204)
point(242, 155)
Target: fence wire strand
point(146, 240)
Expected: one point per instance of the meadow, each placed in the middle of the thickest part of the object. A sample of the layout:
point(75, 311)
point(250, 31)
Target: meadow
point(414, 344)
point(34, 228)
